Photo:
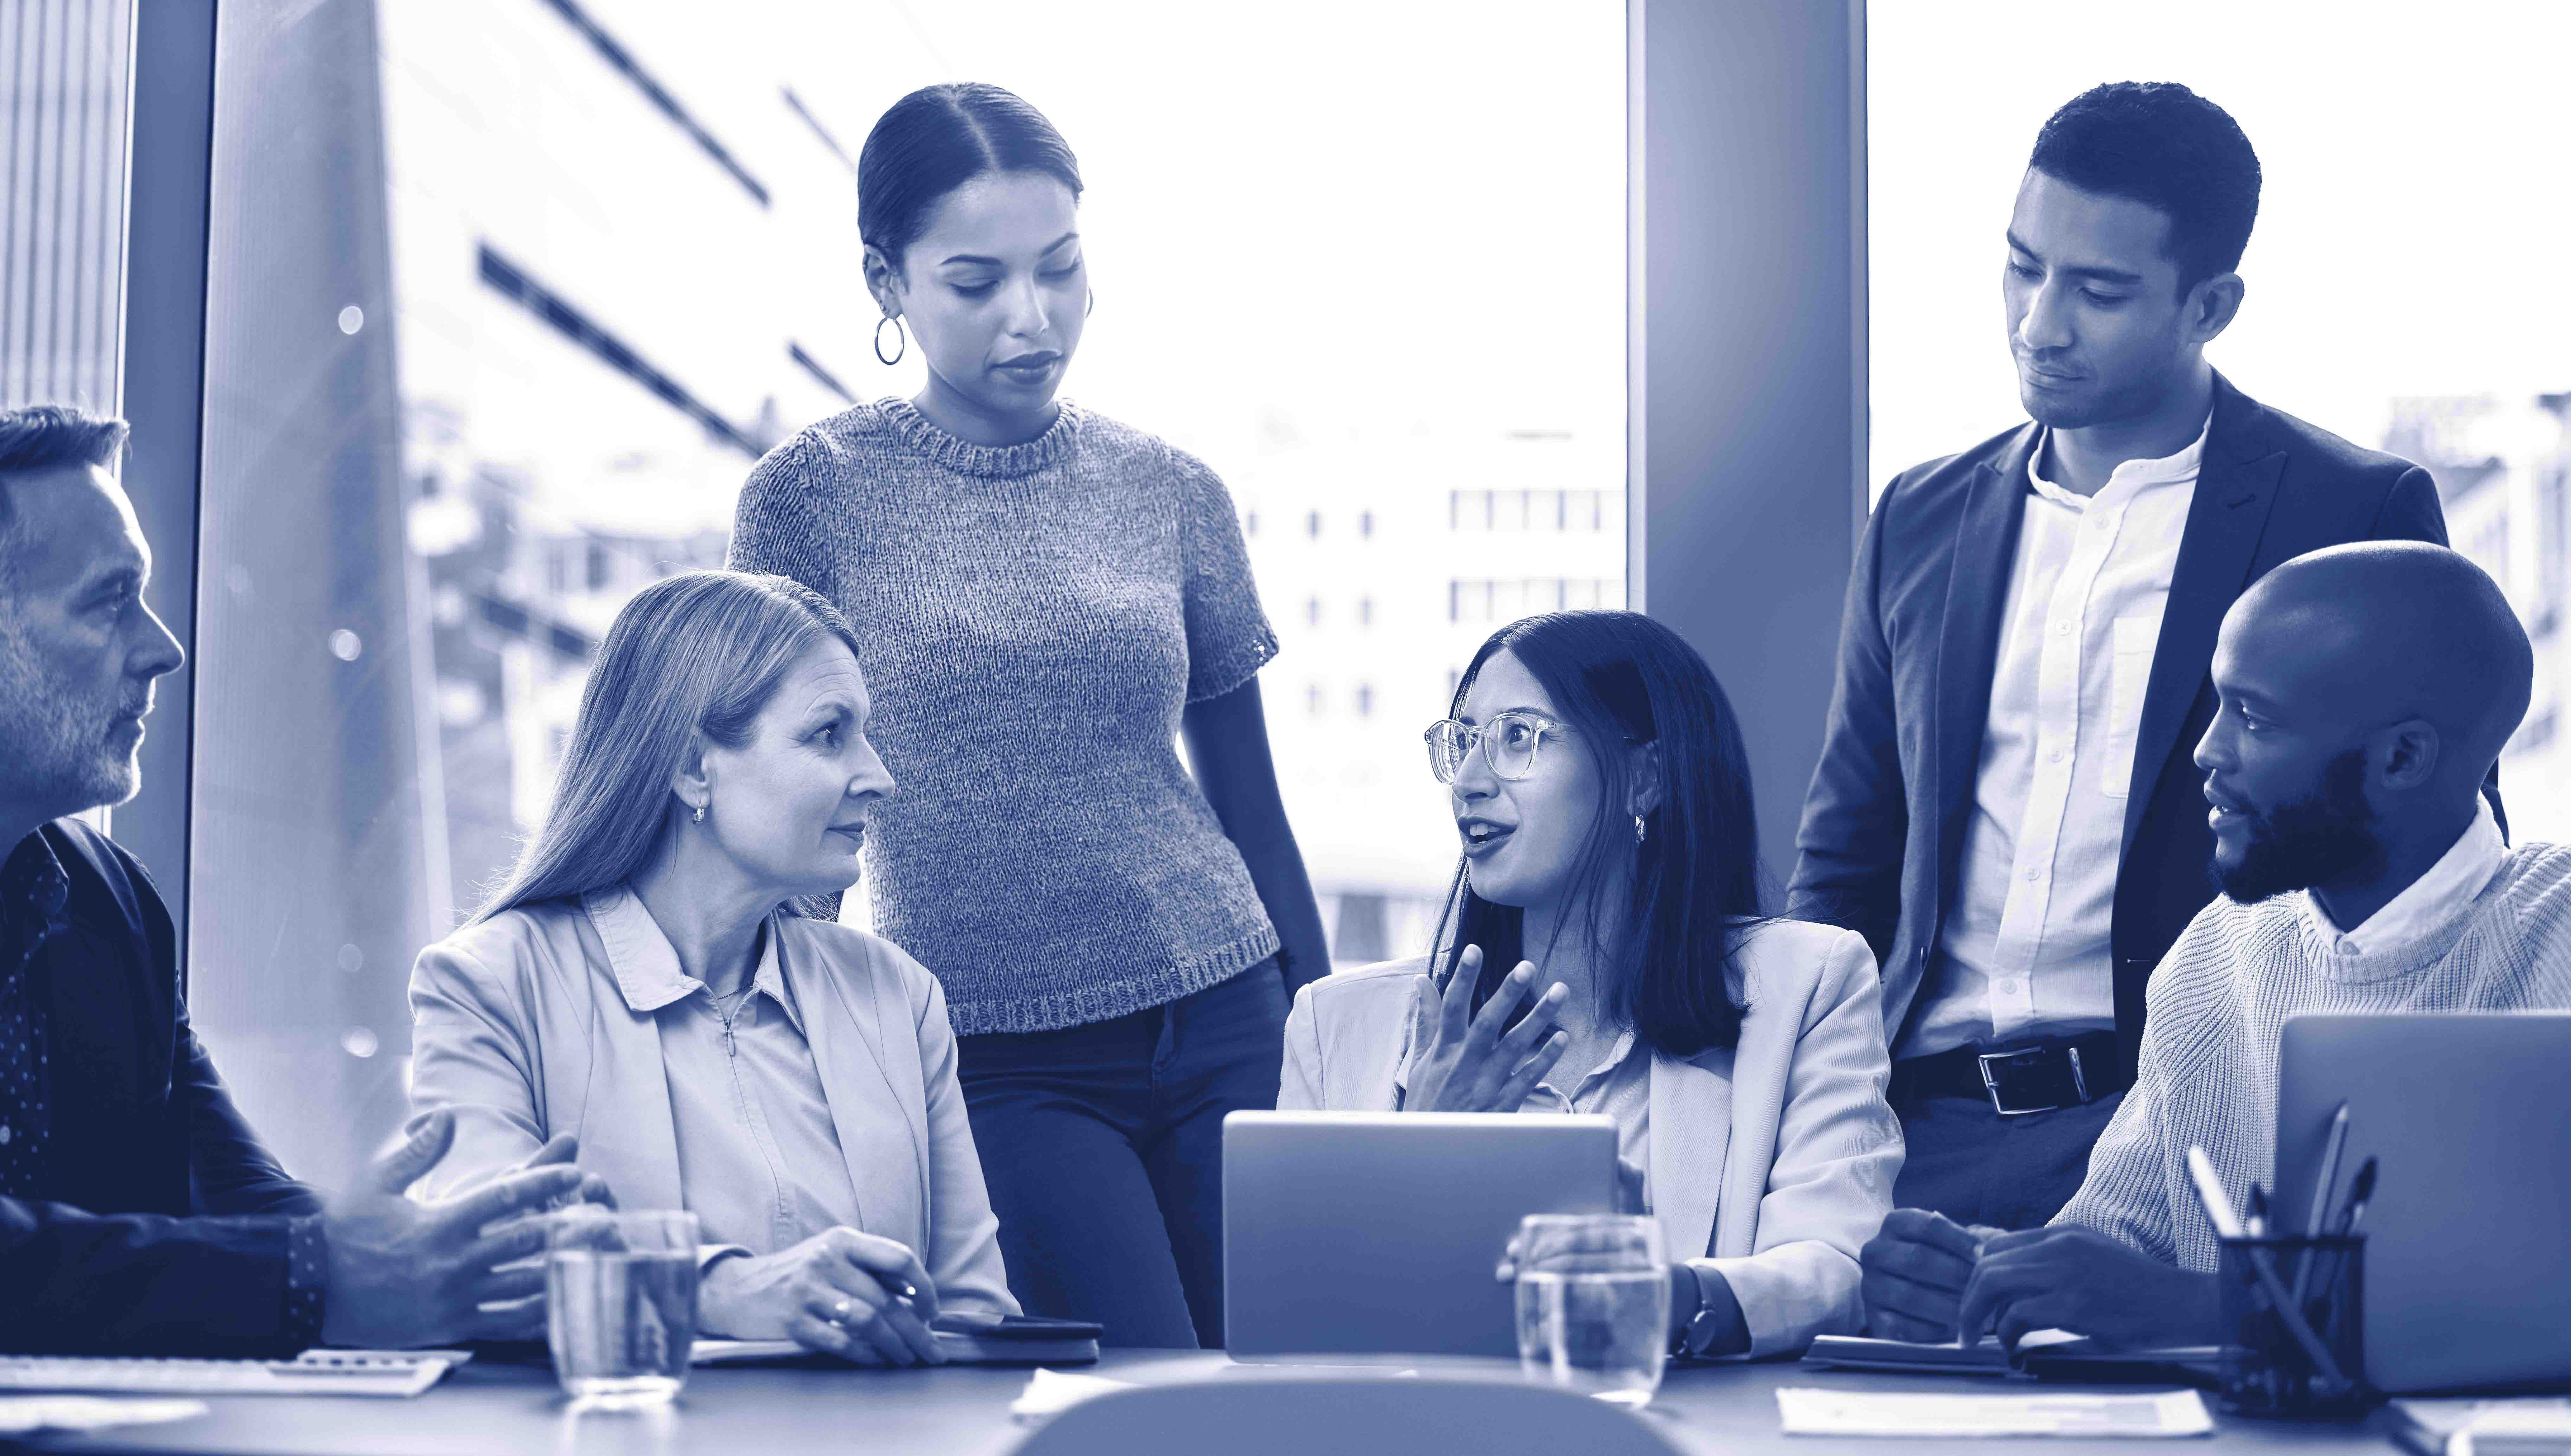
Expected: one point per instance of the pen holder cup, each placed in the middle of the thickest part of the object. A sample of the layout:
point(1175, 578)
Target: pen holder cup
point(2293, 1326)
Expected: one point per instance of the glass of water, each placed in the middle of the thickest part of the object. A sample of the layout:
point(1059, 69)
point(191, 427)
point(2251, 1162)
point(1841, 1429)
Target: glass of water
point(621, 1302)
point(1593, 1303)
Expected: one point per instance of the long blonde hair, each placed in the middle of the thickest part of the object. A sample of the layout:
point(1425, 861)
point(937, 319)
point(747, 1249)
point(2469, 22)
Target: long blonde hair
point(702, 651)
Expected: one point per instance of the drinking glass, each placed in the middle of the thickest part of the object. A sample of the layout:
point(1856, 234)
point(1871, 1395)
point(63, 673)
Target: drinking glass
point(1593, 1303)
point(621, 1302)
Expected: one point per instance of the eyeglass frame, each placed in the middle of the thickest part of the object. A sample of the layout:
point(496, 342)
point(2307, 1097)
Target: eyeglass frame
point(1473, 742)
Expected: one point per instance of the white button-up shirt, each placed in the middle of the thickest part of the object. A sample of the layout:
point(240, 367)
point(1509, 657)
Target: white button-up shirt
point(2427, 903)
point(2025, 945)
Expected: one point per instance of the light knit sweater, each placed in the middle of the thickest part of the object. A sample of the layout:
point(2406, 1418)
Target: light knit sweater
point(1031, 622)
point(2208, 1071)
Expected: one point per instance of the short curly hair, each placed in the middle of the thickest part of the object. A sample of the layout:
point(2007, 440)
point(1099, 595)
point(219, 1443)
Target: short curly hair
point(2159, 143)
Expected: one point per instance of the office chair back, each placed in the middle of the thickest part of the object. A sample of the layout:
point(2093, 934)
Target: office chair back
point(1382, 1416)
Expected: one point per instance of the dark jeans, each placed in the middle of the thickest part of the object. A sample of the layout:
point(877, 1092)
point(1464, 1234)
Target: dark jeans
point(1972, 1165)
point(1102, 1148)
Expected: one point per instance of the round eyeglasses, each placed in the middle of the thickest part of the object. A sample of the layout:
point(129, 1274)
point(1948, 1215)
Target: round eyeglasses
point(1509, 743)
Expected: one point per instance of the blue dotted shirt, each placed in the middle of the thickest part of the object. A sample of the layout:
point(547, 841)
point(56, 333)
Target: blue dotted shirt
point(33, 890)
point(33, 894)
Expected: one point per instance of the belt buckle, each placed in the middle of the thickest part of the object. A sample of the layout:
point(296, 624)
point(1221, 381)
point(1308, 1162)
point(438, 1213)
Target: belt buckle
point(2000, 1102)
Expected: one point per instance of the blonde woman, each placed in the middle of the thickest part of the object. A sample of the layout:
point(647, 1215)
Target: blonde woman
point(644, 981)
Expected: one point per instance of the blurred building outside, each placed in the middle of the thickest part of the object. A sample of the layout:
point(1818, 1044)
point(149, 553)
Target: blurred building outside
point(2503, 471)
point(567, 268)
point(1385, 560)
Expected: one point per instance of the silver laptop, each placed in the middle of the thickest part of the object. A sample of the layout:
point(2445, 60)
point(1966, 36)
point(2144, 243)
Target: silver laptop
point(1376, 1234)
point(2468, 1236)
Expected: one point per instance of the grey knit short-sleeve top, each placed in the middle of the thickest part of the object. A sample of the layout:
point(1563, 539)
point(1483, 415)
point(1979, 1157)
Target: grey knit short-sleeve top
point(1031, 621)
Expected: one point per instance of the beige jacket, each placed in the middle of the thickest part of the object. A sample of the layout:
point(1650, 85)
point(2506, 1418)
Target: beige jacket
point(528, 1025)
point(1772, 1162)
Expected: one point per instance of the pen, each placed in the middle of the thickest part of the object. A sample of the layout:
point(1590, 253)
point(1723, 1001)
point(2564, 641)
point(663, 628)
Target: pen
point(2360, 1190)
point(2332, 1150)
point(2208, 1191)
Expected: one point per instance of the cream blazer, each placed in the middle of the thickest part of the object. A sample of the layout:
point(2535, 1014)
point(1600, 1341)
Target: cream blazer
point(527, 1025)
point(1772, 1161)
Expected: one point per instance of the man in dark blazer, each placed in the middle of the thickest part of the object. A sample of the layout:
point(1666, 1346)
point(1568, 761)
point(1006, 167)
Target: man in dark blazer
point(2005, 806)
point(137, 1211)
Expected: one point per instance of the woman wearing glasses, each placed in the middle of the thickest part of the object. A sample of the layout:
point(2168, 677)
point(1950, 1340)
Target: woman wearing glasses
point(1603, 952)
point(1048, 599)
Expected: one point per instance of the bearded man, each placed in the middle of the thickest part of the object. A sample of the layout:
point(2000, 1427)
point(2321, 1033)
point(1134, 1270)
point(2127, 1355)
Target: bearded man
point(2364, 693)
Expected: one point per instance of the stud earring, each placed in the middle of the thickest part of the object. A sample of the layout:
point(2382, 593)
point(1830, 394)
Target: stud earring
point(700, 815)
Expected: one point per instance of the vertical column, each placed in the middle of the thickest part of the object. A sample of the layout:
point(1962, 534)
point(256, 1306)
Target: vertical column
point(1747, 361)
point(63, 90)
point(164, 383)
point(314, 809)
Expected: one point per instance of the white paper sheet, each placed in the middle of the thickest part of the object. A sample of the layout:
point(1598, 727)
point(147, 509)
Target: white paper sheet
point(1050, 1391)
point(1814, 1413)
point(25, 1414)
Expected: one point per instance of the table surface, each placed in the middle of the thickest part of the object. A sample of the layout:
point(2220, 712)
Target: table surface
point(963, 1410)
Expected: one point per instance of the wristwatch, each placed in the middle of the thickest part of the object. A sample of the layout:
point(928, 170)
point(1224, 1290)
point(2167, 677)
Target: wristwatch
point(1702, 1327)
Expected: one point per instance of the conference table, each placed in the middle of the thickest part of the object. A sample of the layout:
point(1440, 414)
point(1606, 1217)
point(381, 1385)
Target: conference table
point(489, 1406)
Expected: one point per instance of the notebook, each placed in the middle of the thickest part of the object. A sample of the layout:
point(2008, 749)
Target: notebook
point(1851, 1352)
point(964, 1339)
point(315, 1372)
point(2044, 1353)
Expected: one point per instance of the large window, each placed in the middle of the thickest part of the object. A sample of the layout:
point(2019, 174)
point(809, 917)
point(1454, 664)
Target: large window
point(2405, 279)
point(64, 68)
point(507, 295)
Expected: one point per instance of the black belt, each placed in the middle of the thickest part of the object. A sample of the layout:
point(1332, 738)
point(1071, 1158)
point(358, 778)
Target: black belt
point(2028, 1076)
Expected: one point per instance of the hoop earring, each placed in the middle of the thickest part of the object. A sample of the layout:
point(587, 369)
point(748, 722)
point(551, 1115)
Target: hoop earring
point(1637, 829)
point(898, 332)
point(1091, 306)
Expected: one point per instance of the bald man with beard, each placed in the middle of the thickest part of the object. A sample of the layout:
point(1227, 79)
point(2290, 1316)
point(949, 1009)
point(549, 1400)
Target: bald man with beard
point(2364, 693)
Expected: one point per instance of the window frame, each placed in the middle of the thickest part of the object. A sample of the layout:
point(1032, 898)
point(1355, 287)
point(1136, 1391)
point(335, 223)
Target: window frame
point(170, 171)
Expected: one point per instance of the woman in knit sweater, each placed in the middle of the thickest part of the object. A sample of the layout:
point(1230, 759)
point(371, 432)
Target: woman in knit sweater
point(1047, 599)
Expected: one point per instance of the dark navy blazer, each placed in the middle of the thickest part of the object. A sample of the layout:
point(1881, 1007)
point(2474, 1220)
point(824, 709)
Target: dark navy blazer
point(165, 1227)
point(1883, 825)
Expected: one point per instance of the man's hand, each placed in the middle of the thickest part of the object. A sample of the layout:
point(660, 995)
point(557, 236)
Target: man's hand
point(1914, 1270)
point(405, 1275)
point(2079, 1279)
point(837, 1292)
point(1469, 1064)
point(564, 1150)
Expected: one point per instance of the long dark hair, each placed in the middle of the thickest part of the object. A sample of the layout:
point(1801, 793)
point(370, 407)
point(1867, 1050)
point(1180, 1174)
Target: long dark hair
point(1620, 678)
point(939, 137)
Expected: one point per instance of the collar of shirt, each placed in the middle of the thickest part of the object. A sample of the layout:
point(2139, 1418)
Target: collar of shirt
point(34, 891)
point(2127, 478)
point(2454, 881)
point(646, 965)
point(1615, 1057)
point(1613, 1062)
